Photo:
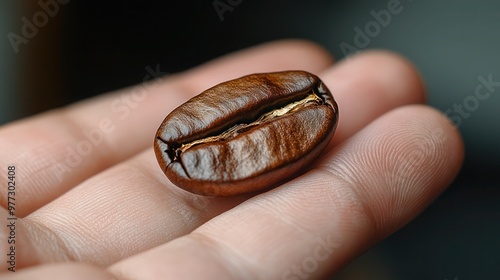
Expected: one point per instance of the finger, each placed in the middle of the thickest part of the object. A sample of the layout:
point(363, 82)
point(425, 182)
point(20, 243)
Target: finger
point(80, 216)
point(368, 187)
point(367, 85)
point(58, 149)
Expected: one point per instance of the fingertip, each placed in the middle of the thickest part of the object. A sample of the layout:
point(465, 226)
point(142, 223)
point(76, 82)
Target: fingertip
point(395, 167)
point(439, 125)
point(402, 72)
point(369, 84)
point(390, 71)
point(422, 153)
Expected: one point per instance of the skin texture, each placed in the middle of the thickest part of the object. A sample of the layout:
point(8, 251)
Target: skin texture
point(116, 211)
point(259, 153)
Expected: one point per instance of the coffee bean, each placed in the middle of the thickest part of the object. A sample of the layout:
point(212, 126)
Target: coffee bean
point(246, 134)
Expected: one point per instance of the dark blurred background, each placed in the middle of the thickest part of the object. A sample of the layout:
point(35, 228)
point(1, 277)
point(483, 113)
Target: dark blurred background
point(85, 48)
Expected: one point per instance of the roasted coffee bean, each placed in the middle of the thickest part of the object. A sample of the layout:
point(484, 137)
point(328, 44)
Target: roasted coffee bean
point(246, 134)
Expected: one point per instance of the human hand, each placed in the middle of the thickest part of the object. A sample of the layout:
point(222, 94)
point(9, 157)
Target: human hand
point(93, 204)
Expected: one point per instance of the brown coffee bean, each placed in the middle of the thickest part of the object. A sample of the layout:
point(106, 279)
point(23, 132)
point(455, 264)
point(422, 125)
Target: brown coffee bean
point(246, 134)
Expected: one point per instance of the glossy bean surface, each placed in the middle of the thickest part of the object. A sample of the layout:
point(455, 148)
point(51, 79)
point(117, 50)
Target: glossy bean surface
point(246, 134)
